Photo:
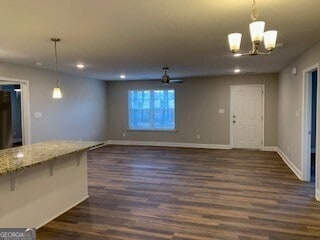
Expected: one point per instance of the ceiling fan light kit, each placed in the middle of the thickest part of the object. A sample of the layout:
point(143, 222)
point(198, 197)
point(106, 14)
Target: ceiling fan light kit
point(166, 79)
point(257, 34)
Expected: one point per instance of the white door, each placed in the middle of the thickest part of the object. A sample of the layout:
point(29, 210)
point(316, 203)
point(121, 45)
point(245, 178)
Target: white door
point(246, 116)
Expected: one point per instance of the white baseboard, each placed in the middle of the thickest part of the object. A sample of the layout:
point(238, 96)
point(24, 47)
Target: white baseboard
point(177, 144)
point(270, 148)
point(169, 144)
point(294, 169)
point(318, 195)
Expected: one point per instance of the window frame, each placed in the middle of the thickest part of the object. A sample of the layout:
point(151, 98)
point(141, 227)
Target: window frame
point(151, 97)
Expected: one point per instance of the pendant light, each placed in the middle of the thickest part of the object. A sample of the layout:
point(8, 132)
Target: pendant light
point(56, 94)
point(257, 34)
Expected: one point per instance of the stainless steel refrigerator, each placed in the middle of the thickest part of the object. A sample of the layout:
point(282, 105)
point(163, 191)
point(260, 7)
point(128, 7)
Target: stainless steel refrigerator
point(5, 120)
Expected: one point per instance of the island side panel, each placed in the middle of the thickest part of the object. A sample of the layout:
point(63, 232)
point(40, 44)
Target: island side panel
point(40, 193)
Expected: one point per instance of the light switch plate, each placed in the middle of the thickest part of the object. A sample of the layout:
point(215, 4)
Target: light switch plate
point(38, 114)
point(294, 71)
point(221, 111)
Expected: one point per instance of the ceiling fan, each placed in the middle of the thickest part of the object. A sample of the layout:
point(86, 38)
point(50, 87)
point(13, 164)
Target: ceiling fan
point(166, 79)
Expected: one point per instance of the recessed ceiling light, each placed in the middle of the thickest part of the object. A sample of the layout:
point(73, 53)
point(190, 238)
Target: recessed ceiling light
point(237, 70)
point(237, 55)
point(80, 66)
point(123, 76)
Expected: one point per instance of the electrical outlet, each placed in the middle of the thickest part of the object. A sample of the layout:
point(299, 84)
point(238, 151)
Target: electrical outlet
point(198, 136)
point(123, 134)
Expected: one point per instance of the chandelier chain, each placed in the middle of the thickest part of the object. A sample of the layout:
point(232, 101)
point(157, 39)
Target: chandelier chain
point(254, 11)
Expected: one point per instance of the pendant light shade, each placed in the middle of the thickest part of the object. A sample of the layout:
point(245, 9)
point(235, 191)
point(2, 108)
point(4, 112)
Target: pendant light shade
point(234, 42)
point(270, 39)
point(256, 31)
point(56, 94)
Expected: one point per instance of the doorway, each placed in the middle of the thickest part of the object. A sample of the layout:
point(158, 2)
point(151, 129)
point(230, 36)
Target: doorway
point(313, 132)
point(247, 116)
point(10, 116)
point(310, 119)
point(17, 102)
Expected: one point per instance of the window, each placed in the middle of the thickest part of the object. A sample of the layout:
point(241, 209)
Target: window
point(151, 109)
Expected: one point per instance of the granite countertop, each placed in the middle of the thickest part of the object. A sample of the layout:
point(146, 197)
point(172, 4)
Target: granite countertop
point(15, 159)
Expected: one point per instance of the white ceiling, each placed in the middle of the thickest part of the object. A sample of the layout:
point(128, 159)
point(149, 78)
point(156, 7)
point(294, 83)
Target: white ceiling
point(139, 37)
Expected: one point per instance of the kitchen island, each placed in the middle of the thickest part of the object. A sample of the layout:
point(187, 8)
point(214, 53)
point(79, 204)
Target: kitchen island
point(39, 182)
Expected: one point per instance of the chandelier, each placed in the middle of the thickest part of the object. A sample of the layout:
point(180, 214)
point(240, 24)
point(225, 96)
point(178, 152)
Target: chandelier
point(257, 34)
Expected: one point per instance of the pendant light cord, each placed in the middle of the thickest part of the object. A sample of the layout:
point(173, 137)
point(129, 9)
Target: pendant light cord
point(55, 40)
point(56, 57)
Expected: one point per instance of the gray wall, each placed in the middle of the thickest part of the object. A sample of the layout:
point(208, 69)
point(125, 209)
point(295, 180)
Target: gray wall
point(80, 114)
point(197, 103)
point(290, 104)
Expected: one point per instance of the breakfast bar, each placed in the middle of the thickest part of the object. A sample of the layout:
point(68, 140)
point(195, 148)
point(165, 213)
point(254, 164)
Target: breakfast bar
point(39, 182)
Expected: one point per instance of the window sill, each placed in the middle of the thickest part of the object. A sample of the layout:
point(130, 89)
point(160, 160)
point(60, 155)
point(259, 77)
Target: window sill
point(152, 130)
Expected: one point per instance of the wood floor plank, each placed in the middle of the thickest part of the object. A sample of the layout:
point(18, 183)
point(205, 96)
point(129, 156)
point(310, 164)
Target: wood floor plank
point(157, 193)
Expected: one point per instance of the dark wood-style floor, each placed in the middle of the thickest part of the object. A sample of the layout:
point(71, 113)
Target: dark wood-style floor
point(154, 193)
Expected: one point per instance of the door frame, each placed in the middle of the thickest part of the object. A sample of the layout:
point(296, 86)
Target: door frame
point(306, 127)
point(25, 106)
point(232, 87)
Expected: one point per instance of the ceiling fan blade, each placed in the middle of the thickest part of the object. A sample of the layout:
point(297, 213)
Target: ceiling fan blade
point(176, 81)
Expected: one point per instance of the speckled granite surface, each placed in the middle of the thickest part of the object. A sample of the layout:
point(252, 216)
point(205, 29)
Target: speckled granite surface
point(15, 159)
